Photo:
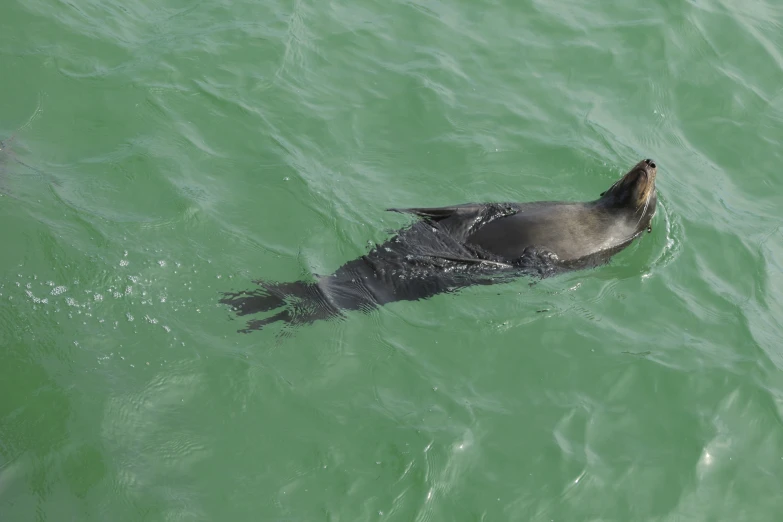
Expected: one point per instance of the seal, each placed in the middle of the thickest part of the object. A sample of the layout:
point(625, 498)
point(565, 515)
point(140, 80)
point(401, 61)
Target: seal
point(450, 248)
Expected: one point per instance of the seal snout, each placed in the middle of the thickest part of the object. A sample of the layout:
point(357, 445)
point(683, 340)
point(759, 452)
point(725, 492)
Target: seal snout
point(650, 163)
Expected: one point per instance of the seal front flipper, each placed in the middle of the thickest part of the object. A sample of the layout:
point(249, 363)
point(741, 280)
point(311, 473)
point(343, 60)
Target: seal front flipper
point(439, 213)
point(539, 262)
point(465, 211)
point(462, 220)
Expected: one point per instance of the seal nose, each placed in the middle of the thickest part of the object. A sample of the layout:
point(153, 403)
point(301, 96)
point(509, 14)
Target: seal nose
point(650, 163)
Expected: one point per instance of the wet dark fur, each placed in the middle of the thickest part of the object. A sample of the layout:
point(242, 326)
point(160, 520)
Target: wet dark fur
point(451, 248)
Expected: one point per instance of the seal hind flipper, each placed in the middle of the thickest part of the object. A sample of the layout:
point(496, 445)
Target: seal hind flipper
point(299, 303)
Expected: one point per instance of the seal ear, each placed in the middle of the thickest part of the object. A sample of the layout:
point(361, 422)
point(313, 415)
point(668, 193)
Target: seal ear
point(612, 187)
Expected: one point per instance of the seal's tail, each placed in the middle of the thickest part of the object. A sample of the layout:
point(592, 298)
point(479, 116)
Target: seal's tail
point(303, 303)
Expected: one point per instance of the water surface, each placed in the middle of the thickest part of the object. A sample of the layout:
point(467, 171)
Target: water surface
point(164, 152)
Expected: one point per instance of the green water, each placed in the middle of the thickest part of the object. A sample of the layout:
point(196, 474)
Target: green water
point(158, 153)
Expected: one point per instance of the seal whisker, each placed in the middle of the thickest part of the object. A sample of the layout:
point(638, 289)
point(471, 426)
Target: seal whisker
point(646, 204)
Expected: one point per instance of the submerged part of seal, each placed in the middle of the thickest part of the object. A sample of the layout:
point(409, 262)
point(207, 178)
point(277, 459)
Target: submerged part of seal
point(451, 248)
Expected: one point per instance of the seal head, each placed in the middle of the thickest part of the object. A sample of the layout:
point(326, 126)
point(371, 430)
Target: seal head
point(635, 191)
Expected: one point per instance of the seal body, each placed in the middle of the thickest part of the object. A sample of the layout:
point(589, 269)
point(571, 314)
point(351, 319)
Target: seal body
point(450, 248)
